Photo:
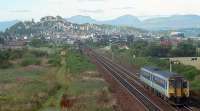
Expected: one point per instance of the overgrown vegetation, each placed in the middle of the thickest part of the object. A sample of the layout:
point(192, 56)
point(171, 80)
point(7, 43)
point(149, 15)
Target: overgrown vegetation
point(4, 59)
point(28, 57)
point(77, 63)
point(27, 84)
point(142, 53)
point(36, 79)
point(144, 48)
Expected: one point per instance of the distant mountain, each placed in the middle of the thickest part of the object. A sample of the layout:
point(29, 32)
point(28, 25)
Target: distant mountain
point(126, 20)
point(7, 24)
point(157, 23)
point(79, 19)
point(173, 22)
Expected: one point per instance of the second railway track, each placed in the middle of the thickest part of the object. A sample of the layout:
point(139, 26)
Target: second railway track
point(131, 83)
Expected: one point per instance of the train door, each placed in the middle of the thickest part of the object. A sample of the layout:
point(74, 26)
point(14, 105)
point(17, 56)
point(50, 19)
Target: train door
point(186, 88)
point(171, 87)
point(178, 87)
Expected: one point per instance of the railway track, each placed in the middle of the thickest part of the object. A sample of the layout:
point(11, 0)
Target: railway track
point(134, 77)
point(184, 108)
point(187, 108)
point(131, 83)
point(132, 89)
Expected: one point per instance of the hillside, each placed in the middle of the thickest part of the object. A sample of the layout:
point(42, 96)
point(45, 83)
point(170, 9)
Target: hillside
point(6, 24)
point(126, 20)
point(56, 27)
point(173, 22)
point(79, 19)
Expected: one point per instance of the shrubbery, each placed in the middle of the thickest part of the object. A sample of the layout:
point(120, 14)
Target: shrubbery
point(195, 84)
point(30, 59)
point(4, 59)
point(143, 48)
point(189, 72)
point(17, 53)
point(77, 63)
point(55, 59)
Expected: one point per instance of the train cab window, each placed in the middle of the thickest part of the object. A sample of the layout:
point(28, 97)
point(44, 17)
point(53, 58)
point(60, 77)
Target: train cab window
point(171, 83)
point(185, 84)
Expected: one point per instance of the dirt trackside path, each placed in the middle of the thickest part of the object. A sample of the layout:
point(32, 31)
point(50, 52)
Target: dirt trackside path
point(85, 91)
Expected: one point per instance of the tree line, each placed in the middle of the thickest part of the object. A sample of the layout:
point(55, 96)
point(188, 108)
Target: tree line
point(153, 49)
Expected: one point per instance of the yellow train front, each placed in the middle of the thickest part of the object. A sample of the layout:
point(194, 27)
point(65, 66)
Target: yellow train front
point(168, 85)
point(178, 90)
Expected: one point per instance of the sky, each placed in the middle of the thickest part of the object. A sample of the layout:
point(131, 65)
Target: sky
point(97, 9)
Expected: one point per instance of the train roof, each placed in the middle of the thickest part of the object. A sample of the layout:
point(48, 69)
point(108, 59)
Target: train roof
point(165, 74)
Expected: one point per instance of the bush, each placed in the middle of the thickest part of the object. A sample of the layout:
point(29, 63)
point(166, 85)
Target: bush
point(55, 60)
point(39, 53)
point(77, 63)
point(4, 59)
point(195, 85)
point(5, 64)
point(15, 54)
point(30, 60)
point(189, 72)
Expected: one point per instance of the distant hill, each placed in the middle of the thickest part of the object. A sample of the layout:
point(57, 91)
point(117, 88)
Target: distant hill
point(157, 23)
point(79, 19)
point(6, 24)
point(173, 22)
point(126, 20)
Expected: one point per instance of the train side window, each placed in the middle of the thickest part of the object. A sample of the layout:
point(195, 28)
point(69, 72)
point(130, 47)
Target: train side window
point(159, 81)
point(146, 75)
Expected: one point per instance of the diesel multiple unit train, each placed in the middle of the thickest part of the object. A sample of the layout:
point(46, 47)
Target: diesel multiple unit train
point(168, 85)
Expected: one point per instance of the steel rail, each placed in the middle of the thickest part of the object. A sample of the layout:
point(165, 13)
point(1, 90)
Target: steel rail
point(142, 98)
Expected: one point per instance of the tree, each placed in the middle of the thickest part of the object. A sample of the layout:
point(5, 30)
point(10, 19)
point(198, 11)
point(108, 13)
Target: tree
point(4, 59)
point(184, 49)
point(139, 48)
point(38, 42)
point(1, 40)
point(155, 50)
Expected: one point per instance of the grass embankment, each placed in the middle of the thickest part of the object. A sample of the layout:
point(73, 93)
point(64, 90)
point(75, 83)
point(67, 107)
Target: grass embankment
point(84, 85)
point(27, 82)
point(36, 79)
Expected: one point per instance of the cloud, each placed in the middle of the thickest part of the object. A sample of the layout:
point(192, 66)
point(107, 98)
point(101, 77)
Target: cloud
point(90, 11)
point(91, 0)
point(124, 8)
point(20, 11)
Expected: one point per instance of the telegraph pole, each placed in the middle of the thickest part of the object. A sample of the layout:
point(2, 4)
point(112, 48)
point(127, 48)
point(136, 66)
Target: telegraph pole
point(171, 62)
point(170, 65)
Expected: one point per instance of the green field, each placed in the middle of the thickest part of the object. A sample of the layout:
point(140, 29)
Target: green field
point(29, 85)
